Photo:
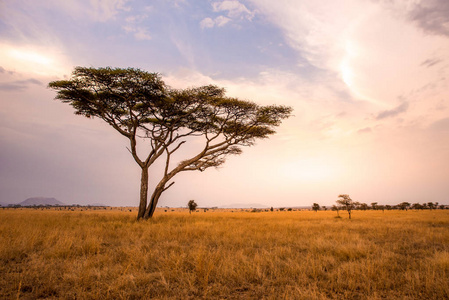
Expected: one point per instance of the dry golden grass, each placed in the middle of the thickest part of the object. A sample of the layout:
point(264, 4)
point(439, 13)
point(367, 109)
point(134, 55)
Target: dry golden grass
point(224, 255)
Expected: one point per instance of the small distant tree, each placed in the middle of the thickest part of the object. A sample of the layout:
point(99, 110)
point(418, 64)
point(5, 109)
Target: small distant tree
point(272, 209)
point(431, 205)
point(381, 207)
point(404, 205)
point(315, 207)
point(192, 205)
point(363, 206)
point(374, 205)
point(416, 206)
point(337, 209)
point(347, 203)
point(325, 208)
point(388, 207)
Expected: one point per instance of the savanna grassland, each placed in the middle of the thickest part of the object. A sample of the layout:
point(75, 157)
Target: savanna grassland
point(224, 255)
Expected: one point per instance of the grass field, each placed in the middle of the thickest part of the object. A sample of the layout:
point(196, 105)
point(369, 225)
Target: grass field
point(224, 255)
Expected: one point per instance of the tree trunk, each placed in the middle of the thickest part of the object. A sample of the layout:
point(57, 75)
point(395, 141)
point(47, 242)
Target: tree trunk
point(153, 202)
point(143, 193)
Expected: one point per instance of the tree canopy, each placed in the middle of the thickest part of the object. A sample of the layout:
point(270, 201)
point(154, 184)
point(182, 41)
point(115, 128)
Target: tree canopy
point(141, 107)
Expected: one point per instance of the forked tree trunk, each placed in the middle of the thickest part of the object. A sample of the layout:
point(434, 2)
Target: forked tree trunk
point(146, 209)
point(153, 201)
point(143, 193)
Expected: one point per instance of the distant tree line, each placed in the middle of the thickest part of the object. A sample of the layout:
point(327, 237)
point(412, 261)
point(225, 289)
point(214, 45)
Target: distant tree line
point(344, 202)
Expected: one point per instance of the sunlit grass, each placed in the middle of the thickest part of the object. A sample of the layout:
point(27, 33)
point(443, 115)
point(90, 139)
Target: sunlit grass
point(267, 255)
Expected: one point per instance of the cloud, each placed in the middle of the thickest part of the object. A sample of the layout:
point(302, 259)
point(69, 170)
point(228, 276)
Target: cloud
point(359, 45)
point(365, 130)
point(218, 21)
point(97, 10)
point(431, 62)
point(177, 3)
point(18, 85)
point(234, 9)
point(207, 23)
point(393, 112)
point(4, 71)
point(316, 29)
point(140, 33)
point(104, 10)
point(432, 16)
point(440, 125)
point(34, 59)
point(221, 21)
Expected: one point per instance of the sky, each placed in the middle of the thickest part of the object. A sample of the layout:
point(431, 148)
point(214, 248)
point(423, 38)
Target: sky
point(367, 79)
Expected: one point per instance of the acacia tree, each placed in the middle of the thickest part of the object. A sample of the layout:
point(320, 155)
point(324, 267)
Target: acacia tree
point(337, 209)
point(315, 207)
point(142, 108)
point(346, 202)
point(192, 205)
point(363, 206)
point(404, 205)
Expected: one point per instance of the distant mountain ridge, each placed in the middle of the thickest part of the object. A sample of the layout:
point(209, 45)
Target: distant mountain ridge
point(40, 201)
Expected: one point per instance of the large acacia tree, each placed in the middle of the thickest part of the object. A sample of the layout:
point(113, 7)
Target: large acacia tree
point(142, 108)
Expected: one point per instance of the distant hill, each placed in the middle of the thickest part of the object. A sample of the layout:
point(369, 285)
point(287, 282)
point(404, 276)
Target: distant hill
point(40, 201)
point(3, 204)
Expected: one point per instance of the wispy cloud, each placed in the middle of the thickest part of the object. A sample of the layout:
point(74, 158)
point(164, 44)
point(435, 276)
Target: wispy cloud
point(440, 125)
point(18, 85)
point(96, 10)
point(403, 107)
point(139, 33)
point(431, 62)
point(106, 10)
point(365, 130)
point(134, 26)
